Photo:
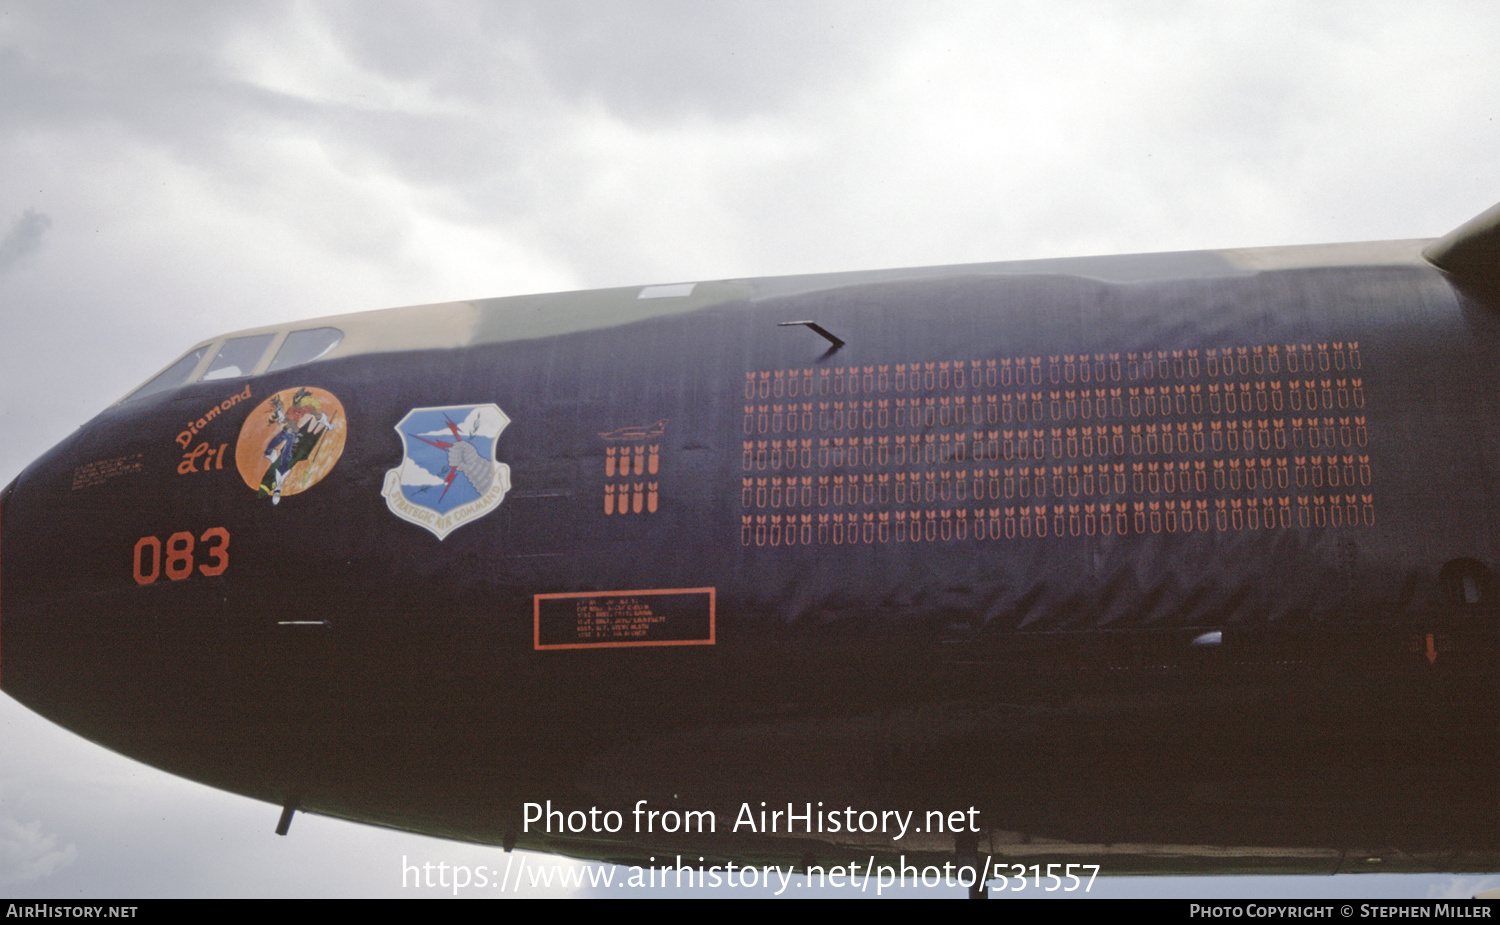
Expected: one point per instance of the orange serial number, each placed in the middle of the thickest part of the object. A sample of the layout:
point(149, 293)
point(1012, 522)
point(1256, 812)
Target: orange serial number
point(177, 557)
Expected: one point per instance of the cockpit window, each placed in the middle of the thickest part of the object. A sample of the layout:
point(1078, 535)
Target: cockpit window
point(305, 346)
point(238, 357)
point(172, 376)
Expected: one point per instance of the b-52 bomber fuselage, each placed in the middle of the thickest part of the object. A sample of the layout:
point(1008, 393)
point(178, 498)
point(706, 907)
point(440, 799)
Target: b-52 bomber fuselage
point(1166, 562)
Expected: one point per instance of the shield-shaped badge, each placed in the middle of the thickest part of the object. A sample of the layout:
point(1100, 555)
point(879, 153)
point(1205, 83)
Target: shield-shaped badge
point(448, 476)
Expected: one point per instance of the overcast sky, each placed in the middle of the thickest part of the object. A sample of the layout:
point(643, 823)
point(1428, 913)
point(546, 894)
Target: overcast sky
point(169, 171)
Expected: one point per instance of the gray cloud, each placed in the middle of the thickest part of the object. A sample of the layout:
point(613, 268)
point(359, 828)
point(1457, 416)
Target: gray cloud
point(23, 239)
point(650, 61)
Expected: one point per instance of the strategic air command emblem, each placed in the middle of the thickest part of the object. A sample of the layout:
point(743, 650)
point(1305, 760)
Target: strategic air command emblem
point(448, 476)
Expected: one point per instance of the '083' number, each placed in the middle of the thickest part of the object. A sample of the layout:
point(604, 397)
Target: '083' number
point(179, 557)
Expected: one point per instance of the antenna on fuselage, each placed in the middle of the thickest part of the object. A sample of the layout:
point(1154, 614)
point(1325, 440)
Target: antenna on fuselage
point(822, 331)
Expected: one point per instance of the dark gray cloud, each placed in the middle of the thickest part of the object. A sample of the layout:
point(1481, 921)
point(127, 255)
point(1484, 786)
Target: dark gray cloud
point(477, 86)
point(23, 239)
point(153, 72)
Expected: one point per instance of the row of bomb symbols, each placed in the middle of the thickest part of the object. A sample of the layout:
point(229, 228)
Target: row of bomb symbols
point(629, 453)
point(631, 498)
point(1054, 405)
point(1061, 520)
point(1006, 483)
point(631, 460)
point(1248, 437)
point(1272, 359)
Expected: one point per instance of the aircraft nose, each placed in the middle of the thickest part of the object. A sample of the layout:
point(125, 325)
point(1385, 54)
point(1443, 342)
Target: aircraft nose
point(23, 656)
point(12, 662)
point(16, 665)
point(106, 633)
point(55, 635)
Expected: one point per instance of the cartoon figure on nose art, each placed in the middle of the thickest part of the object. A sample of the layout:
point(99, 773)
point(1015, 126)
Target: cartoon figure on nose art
point(300, 428)
point(290, 442)
point(440, 445)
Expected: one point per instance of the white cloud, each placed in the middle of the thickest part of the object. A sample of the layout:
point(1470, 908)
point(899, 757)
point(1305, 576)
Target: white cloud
point(27, 854)
point(413, 474)
point(483, 421)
